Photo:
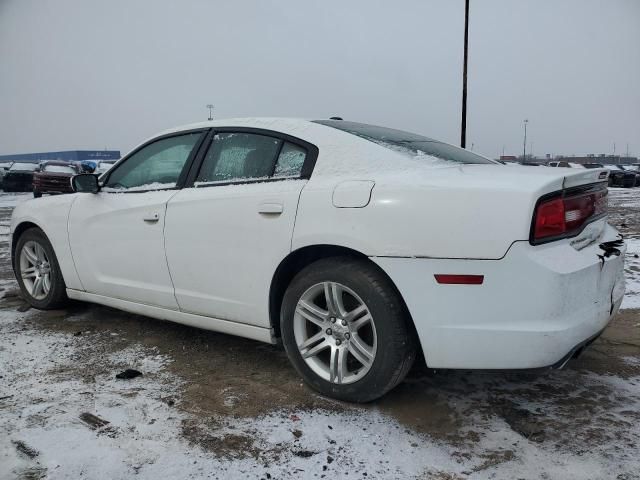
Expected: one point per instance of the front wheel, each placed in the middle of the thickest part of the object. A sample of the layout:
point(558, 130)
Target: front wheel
point(37, 194)
point(346, 330)
point(38, 272)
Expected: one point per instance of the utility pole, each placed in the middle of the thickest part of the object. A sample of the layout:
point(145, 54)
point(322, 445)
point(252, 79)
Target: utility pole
point(524, 144)
point(210, 107)
point(463, 128)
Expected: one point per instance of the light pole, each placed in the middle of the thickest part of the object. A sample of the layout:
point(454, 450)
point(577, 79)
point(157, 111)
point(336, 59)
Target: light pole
point(210, 107)
point(463, 127)
point(524, 144)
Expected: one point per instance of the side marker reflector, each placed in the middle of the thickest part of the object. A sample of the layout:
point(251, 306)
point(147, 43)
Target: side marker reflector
point(460, 279)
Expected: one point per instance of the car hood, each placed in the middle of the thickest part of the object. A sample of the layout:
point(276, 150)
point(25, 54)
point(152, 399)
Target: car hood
point(55, 174)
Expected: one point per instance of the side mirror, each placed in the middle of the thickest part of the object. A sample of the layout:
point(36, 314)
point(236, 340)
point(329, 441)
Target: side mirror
point(85, 183)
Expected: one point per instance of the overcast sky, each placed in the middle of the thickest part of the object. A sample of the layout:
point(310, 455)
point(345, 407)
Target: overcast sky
point(95, 74)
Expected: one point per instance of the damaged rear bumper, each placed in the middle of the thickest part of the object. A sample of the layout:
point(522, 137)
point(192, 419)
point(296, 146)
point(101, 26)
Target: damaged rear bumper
point(537, 307)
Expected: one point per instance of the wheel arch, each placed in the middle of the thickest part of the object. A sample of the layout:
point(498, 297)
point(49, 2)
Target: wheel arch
point(298, 259)
point(17, 232)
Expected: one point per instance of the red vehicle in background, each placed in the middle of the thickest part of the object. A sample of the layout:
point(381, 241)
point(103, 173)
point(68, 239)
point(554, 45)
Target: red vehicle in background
point(54, 177)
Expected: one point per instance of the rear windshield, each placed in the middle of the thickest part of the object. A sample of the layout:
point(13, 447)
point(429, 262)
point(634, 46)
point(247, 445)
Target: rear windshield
point(25, 167)
point(411, 144)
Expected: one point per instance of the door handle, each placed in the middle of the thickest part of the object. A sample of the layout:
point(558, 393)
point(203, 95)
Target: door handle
point(151, 217)
point(271, 208)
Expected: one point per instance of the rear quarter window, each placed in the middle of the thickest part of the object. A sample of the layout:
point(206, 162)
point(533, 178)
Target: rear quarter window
point(410, 144)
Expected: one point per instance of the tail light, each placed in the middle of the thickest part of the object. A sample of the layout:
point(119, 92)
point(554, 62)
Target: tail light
point(564, 214)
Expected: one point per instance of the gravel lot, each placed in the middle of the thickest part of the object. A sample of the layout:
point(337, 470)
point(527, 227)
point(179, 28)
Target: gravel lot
point(213, 406)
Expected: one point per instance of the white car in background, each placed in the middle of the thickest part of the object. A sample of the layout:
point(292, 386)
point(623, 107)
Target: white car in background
point(353, 245)
point(104, 165)
point(564, 164)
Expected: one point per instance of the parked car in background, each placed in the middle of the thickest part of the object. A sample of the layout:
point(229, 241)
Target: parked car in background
point(19, 177)
point(635, 168)
point(54, 177)
point(530, 164)
point(88, 166)
point(97, 167)
point(4, 166)
point(353, 245)
point(104, 165)
point(619, 177)
point(563, 164)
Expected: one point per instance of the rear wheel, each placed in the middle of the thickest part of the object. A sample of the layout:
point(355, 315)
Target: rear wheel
point(37, 194)
point(345, 330)
point(38, 272)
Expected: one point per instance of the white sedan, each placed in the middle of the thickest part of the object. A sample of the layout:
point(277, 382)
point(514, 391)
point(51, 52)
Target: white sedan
point(355, 246)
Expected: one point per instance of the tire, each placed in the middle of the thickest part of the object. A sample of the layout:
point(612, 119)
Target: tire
point(40, 249)
point(381, 332)
point(37, 194)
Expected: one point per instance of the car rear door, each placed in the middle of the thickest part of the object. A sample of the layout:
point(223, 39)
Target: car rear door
point(226, 234)
point(116, 235)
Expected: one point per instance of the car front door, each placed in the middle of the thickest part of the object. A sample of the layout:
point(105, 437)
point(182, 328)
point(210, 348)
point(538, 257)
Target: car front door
point(116, 235)
point(226, 234)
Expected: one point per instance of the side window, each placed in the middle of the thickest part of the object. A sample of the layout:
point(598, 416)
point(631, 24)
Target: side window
point(239, 156)
point(157, 166)
point(290, 161)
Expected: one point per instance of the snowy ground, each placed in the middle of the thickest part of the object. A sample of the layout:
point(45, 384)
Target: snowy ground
point(213, 406)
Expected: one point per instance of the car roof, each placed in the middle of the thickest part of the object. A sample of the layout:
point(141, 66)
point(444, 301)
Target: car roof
point(334, 144)
point(281, 124)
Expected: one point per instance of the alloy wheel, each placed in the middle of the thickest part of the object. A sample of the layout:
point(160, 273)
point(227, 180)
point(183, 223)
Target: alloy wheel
point(35, 270)
point(335, 333)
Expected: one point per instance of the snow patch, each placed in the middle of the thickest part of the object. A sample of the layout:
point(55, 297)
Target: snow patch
point(140, 188)
point(632, 274)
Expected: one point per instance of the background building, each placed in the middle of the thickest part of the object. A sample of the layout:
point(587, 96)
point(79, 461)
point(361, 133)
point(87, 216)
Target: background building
point(68, 155)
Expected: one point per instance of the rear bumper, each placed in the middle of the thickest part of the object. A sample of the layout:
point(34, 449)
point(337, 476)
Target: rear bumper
point(536, 308)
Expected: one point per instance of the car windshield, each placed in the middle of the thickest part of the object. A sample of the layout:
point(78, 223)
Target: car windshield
point(411, 144)
point(25, 167)
point(59, 169)
point(593, 165)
